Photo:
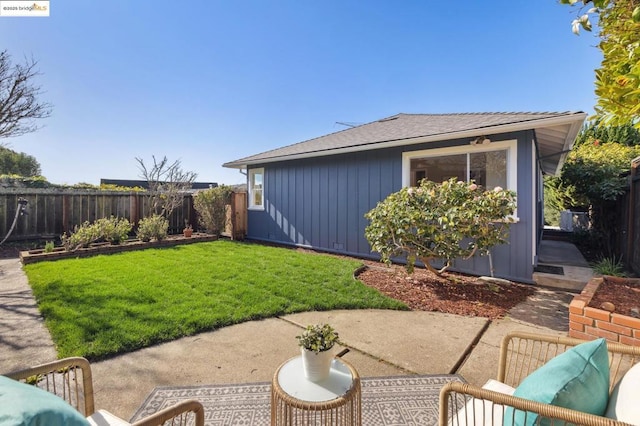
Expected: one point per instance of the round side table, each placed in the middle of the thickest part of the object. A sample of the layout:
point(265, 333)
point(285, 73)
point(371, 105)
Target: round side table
point(298, 401)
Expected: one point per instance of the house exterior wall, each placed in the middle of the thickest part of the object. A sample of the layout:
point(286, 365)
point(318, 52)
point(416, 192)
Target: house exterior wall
point(320, 203)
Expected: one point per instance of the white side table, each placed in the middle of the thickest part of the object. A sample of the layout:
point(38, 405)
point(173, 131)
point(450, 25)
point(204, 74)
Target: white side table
point(298, 401)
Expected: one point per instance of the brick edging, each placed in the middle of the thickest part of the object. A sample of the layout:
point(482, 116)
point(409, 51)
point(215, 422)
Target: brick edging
point(34, 256)
point(591, 323)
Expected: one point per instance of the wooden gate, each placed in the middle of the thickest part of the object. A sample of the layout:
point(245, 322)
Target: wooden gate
point(237, 216)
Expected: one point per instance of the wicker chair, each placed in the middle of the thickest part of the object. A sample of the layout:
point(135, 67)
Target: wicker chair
point(71, 379)
point(520, 355)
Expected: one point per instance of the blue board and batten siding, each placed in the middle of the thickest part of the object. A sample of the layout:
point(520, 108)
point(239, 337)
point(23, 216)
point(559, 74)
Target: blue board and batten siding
point(320, 203)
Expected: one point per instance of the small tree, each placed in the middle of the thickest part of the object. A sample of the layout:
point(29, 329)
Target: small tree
point(18, 163)
point(439, 221)
point(618, 78)
point(167, 185)
point(594, 177)
point(211, 205)
point(19, 107)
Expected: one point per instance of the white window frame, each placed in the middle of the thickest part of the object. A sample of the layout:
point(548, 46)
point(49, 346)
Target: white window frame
point(251, 181)
point(511, 146)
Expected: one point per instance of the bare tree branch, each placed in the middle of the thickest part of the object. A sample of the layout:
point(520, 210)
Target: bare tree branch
point(167, 184)
point(19, 106)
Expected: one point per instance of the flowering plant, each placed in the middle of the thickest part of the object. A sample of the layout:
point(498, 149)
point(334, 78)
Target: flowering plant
point(318, 338)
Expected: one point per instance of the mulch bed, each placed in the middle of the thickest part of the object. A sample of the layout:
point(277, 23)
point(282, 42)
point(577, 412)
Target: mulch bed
point(451, 293)
point(623, 293)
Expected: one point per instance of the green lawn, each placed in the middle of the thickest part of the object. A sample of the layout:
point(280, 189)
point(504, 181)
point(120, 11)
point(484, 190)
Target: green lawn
point(105, 305)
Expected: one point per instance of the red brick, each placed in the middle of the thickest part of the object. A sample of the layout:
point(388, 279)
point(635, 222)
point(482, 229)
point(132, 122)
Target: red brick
point(636, 334)
point(615, 328)
point(577, 306)
point(598, 314)
point(629, 341)
point(591, 287)
point(626, 321)
point(581, 319)
point(578, 335)
point(613, 337)
point(576, 326)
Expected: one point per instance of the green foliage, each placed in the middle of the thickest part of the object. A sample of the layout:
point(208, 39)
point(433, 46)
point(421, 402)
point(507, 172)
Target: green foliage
point(24, 182)
point(553, 200)
point(318, 338)
point(113, 229)
point(211, 207)
point(609, 266)
point(153, 227)
point(81, 236)
point(597, 172)
point(18, 163)
point(118, 188)
point(105, 305)
point(594, 131)
point(445, 221)
point(49, 246)
point(618, 78)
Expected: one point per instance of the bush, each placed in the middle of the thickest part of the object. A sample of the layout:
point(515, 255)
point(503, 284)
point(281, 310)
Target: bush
point(439, 221)
point(113, 229)
point(609, 266)
point(81, 236)
point(211, 205)
point(153, 227)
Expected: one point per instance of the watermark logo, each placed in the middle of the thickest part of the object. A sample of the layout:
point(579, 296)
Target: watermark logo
point(28, 8)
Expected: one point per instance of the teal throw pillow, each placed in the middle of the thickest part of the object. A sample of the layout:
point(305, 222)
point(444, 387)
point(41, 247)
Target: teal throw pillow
point(26, 405)
point(577, 379)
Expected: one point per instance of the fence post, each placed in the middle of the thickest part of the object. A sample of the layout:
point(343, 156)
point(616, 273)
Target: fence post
point(631, 216)
point(133, 209)
point(66, 209)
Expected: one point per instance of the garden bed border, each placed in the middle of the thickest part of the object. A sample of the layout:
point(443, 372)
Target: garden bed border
point(590, 323)
point(33, 256)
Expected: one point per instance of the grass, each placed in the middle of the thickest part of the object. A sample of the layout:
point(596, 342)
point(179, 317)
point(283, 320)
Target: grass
point(105, 305)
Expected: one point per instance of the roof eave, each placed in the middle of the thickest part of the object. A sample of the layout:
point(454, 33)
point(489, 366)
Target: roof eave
point(576, 119)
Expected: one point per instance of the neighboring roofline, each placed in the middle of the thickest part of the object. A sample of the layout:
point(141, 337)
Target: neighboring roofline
point(501, 128)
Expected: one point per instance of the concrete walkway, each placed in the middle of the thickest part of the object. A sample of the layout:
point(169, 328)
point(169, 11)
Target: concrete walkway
point(382, 343)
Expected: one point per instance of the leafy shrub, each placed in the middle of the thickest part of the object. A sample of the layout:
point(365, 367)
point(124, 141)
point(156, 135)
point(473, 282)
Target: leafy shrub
point(48, 247)
point(609, 266)
point(153, 227)
point(113, 229)
point(211, 205)
point(439, 221)
point(81, 236)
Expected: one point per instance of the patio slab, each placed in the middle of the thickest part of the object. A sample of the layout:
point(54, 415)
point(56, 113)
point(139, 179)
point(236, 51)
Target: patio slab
point(417, 342)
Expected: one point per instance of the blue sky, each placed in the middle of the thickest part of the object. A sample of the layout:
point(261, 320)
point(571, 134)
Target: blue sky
point(212, 81)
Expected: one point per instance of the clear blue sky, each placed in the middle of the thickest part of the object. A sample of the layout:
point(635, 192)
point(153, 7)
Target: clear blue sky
point(212, 81)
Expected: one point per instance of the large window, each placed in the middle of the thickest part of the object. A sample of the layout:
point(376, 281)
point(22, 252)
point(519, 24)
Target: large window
point(256, 189)
point(488, 165)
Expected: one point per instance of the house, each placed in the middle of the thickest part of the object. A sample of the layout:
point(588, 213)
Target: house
point(315, 193)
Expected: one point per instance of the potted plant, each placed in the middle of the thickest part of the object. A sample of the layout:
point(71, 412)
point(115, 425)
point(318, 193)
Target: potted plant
point(316, 342)
point(187, 231)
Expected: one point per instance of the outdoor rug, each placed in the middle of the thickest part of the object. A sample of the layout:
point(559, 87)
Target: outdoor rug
point(386, 401)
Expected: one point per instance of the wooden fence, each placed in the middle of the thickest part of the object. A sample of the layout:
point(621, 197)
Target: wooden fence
point(50, 213)
point(629, 240)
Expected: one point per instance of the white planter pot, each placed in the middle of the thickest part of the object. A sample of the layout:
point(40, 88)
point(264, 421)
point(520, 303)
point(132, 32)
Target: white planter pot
point(316, 366)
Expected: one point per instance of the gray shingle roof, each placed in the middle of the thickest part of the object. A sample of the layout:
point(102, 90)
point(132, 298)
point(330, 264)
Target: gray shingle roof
point(406, 128)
